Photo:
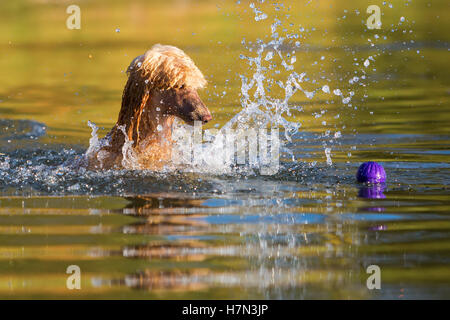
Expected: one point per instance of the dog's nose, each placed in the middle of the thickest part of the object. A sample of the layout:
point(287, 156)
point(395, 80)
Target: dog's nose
point(206, 118)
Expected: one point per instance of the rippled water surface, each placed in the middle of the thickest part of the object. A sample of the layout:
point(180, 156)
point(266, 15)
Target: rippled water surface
point(308, 231)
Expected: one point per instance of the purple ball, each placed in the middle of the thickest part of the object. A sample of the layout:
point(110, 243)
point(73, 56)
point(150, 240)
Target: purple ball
point(371, 172)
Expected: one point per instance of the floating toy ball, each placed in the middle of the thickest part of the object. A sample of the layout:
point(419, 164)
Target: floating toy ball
point(371, 172)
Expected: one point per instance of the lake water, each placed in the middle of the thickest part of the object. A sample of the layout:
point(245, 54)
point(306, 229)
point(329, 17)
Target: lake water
point(307, 231)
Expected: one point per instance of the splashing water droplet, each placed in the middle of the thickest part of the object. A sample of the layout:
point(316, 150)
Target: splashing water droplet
point(261, 17)
point(326, 89)
point(269, 56)
point(328, 155)
point(337, 92)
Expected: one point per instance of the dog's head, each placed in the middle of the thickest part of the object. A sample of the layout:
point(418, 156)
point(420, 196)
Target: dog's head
point(184, 103)
point(164, 80)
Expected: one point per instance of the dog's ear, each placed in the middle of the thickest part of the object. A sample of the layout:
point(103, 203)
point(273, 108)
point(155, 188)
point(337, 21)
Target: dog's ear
point(134, 98)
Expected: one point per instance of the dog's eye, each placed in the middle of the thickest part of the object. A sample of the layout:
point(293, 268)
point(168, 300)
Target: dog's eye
point(182, 87)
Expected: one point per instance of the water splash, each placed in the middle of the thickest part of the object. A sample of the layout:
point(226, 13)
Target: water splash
point(129, 156)
point(260, 109)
